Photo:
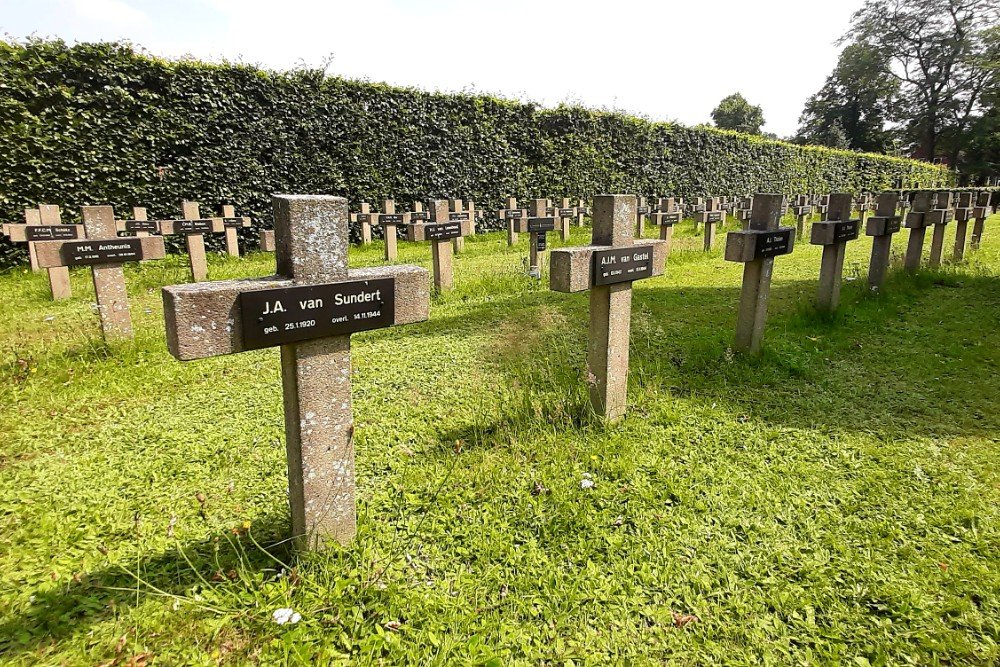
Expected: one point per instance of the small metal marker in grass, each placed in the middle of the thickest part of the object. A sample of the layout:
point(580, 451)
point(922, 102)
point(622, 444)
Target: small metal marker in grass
point(105, 252)
point(608, 268)
point(309, 309)
point(757, 246)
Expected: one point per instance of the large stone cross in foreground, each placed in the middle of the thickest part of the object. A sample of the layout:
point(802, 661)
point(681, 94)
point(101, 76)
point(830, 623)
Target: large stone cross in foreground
point(607, 268)
point(310, 310)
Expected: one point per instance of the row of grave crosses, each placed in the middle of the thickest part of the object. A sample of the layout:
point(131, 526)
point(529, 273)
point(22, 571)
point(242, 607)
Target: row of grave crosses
point(389, 220)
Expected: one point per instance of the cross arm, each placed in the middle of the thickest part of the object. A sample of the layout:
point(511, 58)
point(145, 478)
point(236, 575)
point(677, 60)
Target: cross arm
point(570, 269)
point(169, 227)
point(418, 231)
point(49, 253)
point(18, 233)
point(203, 319)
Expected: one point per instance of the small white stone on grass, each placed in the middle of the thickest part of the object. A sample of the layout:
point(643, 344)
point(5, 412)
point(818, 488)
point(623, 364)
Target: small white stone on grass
point(586, 482)
point(285, 616)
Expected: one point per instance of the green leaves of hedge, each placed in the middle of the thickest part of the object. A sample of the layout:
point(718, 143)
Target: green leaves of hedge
point(105, 124)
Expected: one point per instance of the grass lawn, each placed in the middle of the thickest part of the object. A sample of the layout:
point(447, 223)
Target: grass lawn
point(834, 501)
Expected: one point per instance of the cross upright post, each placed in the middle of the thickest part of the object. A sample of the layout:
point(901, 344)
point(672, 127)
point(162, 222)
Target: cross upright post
point(641, 213)
point(309, 309)
point(565, 214)
point(757, 246)
point(230, 223)
point(833, 233)
point(105, 253)
point(140, 225)
point(881, 227)
point(390, 220)
point(917, 221)
point(940, 216)
point(581, 211)
point(364, 218)
point(980, 213)
point(458, 213)
point(710, 217)
point(537, 224)
point(963, 214)
point(802, 210)
point(668, 214)
point(607, 268)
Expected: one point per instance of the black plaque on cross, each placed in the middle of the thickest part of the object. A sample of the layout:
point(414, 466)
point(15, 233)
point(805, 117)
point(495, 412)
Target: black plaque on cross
point(774, 243)
point(846, 230)
point(541, 224)
point(200, 226)
point(391, 218)
point(50, 232)
point(232, 222)
point(134, 226)
point(620, 265)
point(418, 216)
point(104, 251)
point(513, 214)
point(540, 241)
point(293, 314)
point(443, 230)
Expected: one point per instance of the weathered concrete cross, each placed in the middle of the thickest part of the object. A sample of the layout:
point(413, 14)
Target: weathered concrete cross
point(140, 225)
point(458, 213)
point(667, 214)
point(964, 212)
point(511, 215)
point(833, 233)
point(193, 227)
point(802, 210)
point(310, 310)
point(940, 216)
point(565, 214)
point(607, 268)
point(105, 253)
point(364, 218)
point(442, 227)
point(917, 221)
point(537, 224)
point(230, 222)
point(389, 220)
point(642, 212)
point(756, 247)
point(881, 227)
point(45, 224)
point(981, 212)
point(712, 216)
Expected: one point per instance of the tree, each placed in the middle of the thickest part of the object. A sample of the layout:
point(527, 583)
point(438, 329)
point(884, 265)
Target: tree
point(852, 108)
point(735, 113)
point(936, 50)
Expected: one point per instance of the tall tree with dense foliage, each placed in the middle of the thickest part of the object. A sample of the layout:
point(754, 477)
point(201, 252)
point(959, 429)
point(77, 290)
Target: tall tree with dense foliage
point(853, 107)
point(735, 113)
point(936, 49)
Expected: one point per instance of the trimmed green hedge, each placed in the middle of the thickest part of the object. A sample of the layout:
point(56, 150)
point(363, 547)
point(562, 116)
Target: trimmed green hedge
point(101, 123)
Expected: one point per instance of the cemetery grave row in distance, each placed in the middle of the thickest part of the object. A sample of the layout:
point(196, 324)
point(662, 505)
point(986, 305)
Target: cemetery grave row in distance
point(314, 302)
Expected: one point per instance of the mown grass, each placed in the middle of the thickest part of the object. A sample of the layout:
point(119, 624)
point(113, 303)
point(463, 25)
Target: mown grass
point(833, 501)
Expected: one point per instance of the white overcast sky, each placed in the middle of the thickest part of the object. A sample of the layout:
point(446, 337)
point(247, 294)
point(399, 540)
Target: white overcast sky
point(667, 60)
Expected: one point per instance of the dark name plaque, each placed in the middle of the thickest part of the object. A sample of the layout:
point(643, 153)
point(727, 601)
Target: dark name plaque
point(391, 218)
point(462, 215)
point(107, 251)
point(417, 216)
point(514, 214)
point(134, 226)
point(713, 216)
point(774, 243)
point(292, 314)
point(642, 210)
point(232, 222)
point(194, 226)
point(541, 241)
point(667, 219)
point(803, 210)
point(622, 265)
point(541, 224)
point(443, 230)
point(846, 230)
point(550, 211)
point(50, 232)
point(567, 212)
point(364, 217)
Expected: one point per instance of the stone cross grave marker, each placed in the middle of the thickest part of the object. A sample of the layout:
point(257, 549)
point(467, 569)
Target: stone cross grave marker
point(565, 214)
point(863, 204)
point(581, 211)
point(230, 223)
point(744, 211)
point(881, 227)
point(364, 218)
point(833, 233)
point(45, 224)
point(824, 205)
point(980, 213)
point(696, 206)
point(537, 225)
point(140, 225)
point(642, 211)
point(193, 227)
point(512, 214)
point(390, 220)
point(667, 214)
point(995, 199)
point(608, 268)
point(105, 252)
point(757, 246)
point(711, 217)
point(309, 309)
point(939, 216)
point(802, 210)
point(456, 213)
point(440, 229)
point(963, 214)
point(917, 221)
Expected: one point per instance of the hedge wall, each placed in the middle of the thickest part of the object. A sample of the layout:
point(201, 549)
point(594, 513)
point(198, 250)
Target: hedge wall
point(103, 123)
